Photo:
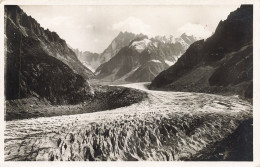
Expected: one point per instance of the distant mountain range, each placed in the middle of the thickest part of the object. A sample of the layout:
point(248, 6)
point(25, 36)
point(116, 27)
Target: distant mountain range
point(94, 60)
point(142, 58)
point(88, 59)
point(39, 63)
point(222, 63)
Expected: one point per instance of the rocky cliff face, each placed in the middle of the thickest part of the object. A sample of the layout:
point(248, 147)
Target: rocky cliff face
point(222, 63)
point(40, 64)
point(142, 59)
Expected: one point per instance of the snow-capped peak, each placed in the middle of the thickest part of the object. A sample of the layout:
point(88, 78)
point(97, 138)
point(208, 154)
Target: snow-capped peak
point(165, 39)
point(141, 45)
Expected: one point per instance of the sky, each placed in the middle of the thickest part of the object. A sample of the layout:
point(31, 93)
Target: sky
point(92, 28)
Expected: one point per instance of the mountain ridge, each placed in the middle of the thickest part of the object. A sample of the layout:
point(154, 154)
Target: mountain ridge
point(143, 59)
point(95, 60)
point(211, 57)
point(50, 41)
point(40, 64)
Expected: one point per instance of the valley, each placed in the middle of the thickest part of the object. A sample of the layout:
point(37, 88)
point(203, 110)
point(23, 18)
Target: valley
point(143, 98)
point(165, 126)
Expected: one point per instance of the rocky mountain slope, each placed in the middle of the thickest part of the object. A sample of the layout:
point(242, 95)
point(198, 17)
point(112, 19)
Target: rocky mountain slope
point(49, 42)
point(40, 64)
point(143, 59)
point(222, 63)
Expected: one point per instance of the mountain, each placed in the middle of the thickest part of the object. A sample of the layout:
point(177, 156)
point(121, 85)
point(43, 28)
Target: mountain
point(88, 59)
point(143, 58)
point(94, 60)
point(49, 42)
point(222, 63)
point(122, 39)
point(184, 40)
point(39, 63)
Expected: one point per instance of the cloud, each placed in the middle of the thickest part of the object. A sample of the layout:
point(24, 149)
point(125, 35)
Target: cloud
point(56, 22)
point(89, 9)
point(132, 24)
point(197, 30)
point(84, 26)
point(88, 26)
point(59, 20)
point(96, 40)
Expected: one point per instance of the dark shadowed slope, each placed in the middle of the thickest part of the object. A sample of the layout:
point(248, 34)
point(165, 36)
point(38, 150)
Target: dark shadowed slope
point(39, 63)
point(103, 98)
point(222, 63)
point(238, 146)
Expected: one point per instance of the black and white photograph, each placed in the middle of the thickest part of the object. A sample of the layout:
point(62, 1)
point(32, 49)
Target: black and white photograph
point(129, 82)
